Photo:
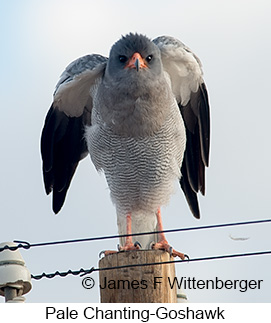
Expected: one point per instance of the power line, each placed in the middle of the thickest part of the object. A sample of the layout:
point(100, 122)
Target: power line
point(27, 245)
point(89, 271)
point(64, 273)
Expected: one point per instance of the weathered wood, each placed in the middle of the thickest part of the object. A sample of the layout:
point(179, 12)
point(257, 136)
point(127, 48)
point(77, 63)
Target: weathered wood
point(142, 284)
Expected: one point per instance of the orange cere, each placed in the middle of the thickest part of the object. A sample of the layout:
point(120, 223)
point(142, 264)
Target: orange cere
point(136, 61)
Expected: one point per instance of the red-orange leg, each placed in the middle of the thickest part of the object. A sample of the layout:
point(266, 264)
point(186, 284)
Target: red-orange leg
point(162, 243)
point(129, 245)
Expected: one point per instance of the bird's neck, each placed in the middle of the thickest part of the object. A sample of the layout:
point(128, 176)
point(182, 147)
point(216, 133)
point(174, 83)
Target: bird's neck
point(133, 110)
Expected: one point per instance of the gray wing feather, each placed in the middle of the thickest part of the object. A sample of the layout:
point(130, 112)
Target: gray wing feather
point(62, 140)
point(80, 65)
point(73, 91)
point(185, 71)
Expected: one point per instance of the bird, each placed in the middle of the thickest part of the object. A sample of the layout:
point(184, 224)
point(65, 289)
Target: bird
point(143, 116)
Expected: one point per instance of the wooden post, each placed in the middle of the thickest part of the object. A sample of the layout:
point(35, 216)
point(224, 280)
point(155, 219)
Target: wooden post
point(142, 284)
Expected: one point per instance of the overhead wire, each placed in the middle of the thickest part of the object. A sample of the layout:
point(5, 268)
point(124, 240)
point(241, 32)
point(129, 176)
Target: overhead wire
point(83, 272)
point(27, 245)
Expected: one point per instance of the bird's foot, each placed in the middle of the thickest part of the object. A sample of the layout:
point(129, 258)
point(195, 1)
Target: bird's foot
point(130, 246)
point(163, 245)
point(126, 247)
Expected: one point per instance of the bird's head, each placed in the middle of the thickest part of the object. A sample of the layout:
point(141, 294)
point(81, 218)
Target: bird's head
point(134, 96)
point(134, 57)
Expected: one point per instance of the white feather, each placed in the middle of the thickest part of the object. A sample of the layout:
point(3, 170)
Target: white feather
point(182, 65)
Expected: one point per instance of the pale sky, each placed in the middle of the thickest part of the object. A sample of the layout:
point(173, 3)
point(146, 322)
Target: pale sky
point(232, 38)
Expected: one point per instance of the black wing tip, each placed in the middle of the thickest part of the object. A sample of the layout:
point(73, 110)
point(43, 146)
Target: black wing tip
point(196, 116)
point(195, 210)
point(62, 148)
point(191, 197)
point(56, 210)
point(58, 201)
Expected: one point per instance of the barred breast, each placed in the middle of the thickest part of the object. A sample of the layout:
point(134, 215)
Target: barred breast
point(140, 171)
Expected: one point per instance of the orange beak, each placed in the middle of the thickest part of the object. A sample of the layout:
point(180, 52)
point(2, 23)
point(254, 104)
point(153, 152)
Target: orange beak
point(136, 61)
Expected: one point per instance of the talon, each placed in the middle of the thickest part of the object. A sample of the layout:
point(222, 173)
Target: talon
point(163, 245)
point(107, 252)
point(130, 247)
point(137, 244)
point(178, 254)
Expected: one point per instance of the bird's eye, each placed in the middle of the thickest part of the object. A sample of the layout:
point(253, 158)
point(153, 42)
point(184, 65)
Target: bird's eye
point(149, 58)
point(123, 58)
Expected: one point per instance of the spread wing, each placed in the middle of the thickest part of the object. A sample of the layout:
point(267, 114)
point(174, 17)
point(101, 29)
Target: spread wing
point(62, 140)
point(184, 69)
